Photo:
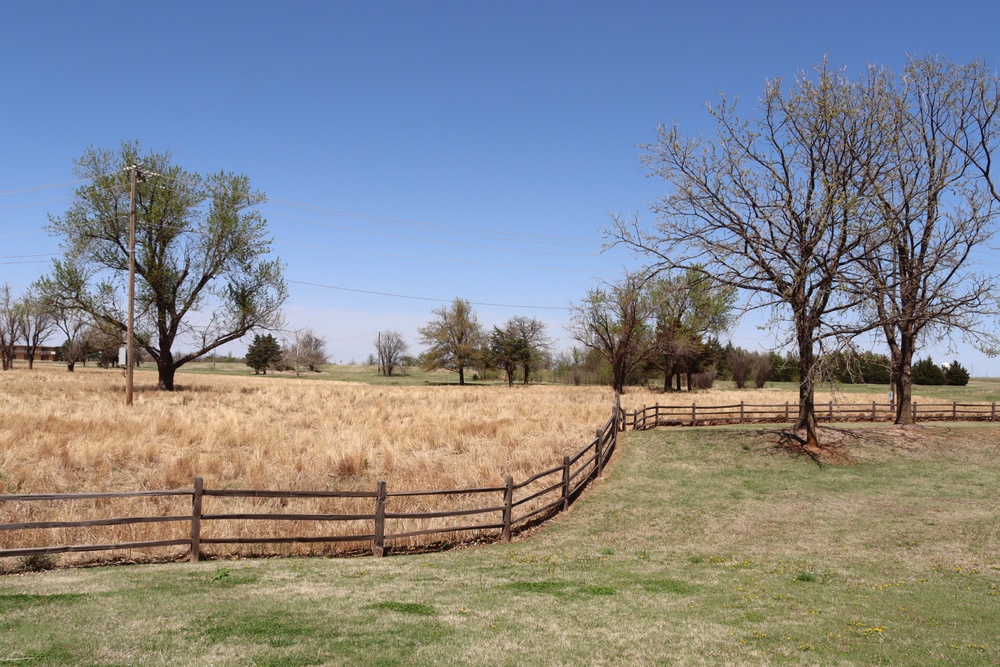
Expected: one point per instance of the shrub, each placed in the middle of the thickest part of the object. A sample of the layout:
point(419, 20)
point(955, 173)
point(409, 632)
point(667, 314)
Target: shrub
point(741, 363)
point(763, 369)
point(704, 379)
point(927, 372)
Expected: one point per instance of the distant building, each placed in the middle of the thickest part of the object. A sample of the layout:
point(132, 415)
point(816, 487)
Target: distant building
point(42, 353)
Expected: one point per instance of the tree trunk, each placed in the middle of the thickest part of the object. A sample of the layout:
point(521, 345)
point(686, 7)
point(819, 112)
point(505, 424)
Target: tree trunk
point(31, 361)
point(461, 374)
point(166, 369)
point(903, 382)
point(70, 365)
point(527, 372)
point(807, 404)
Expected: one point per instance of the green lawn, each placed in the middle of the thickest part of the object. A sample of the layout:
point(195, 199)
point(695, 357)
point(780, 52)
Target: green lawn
point(700, 547)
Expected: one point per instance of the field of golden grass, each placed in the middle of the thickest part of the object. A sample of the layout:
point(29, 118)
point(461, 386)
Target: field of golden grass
point(65, 432)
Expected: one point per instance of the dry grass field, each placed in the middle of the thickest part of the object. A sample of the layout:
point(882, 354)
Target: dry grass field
point(64, 432)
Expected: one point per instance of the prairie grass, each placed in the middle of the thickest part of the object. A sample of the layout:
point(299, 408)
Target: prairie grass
point(63, 433)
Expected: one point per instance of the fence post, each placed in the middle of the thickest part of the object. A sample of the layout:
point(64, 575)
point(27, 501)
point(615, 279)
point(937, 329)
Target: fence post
point(873, 410)
point(694, 414)
point(508, 509)
point(786, 410)
point(954, 411)
point(565, 484)
point(914, 406)
point(831, 412)
point(378, 545)
point(993, 412)
point(643, 416)
point(741, 412)
point(199, 487)
point(599, 462)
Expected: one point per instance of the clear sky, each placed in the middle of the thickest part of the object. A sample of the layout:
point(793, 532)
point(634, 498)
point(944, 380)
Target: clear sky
point(419, 149)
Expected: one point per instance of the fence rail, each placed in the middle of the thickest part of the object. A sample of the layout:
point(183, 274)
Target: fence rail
point(654, 416)
point(536, 498)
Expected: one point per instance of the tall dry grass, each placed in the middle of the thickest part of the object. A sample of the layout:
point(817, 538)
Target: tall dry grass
point(62, 432)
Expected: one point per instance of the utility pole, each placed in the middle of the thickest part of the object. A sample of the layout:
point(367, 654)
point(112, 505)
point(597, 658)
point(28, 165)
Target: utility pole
point(130, 335)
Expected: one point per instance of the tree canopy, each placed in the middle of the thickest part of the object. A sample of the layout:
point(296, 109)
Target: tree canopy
point(203, 275)
point(455, 338)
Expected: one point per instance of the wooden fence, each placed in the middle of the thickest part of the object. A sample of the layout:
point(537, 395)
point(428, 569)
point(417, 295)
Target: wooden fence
point(745, 413)
point(504, 510)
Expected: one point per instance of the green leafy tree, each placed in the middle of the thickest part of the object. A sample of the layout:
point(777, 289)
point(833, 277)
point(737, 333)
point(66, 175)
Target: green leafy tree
point(507, 350)
point(202, 275)
point(687, 306)
point(263, 353)
point(454, 337)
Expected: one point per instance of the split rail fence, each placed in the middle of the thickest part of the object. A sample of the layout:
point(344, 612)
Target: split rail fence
point(500, 512)
point(745, 413)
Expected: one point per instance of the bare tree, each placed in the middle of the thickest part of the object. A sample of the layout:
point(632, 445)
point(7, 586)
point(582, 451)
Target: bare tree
point(391, 349)
point(36, 322)
point(73, 324)
point(614, 322)
point(303, 348)
point(10, 327)
point(940, 124)
point(771, 207)
point(741, 363)
point(455, 338)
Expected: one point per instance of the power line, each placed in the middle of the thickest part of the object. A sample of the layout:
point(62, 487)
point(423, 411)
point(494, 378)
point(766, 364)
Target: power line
point(433, 259)
point(431, 226)
point(436, 242)
point(426, 298)
point(36, 203)
point(37, 188)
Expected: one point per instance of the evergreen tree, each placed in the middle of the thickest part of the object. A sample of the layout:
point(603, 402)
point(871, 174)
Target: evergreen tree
point(926, 371)
point(956, 375)
point(264, 351)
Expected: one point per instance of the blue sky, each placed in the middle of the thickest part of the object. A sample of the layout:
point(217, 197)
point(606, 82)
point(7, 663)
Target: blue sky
point(431, 150)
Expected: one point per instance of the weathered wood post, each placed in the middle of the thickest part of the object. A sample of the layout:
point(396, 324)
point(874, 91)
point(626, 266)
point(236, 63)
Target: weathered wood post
point(914, 408)
point(786, 411)
point(694, 414)
point(599, 450)
point(993, 412)
point(508, 508)
point(741, 412)
point(873, 410)
point(565, 484)
point(378, 544)
point(954, 411)
point(199, 488)
point(831, 411)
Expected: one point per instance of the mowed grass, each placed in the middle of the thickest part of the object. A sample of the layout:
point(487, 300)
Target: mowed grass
point(700, 547)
